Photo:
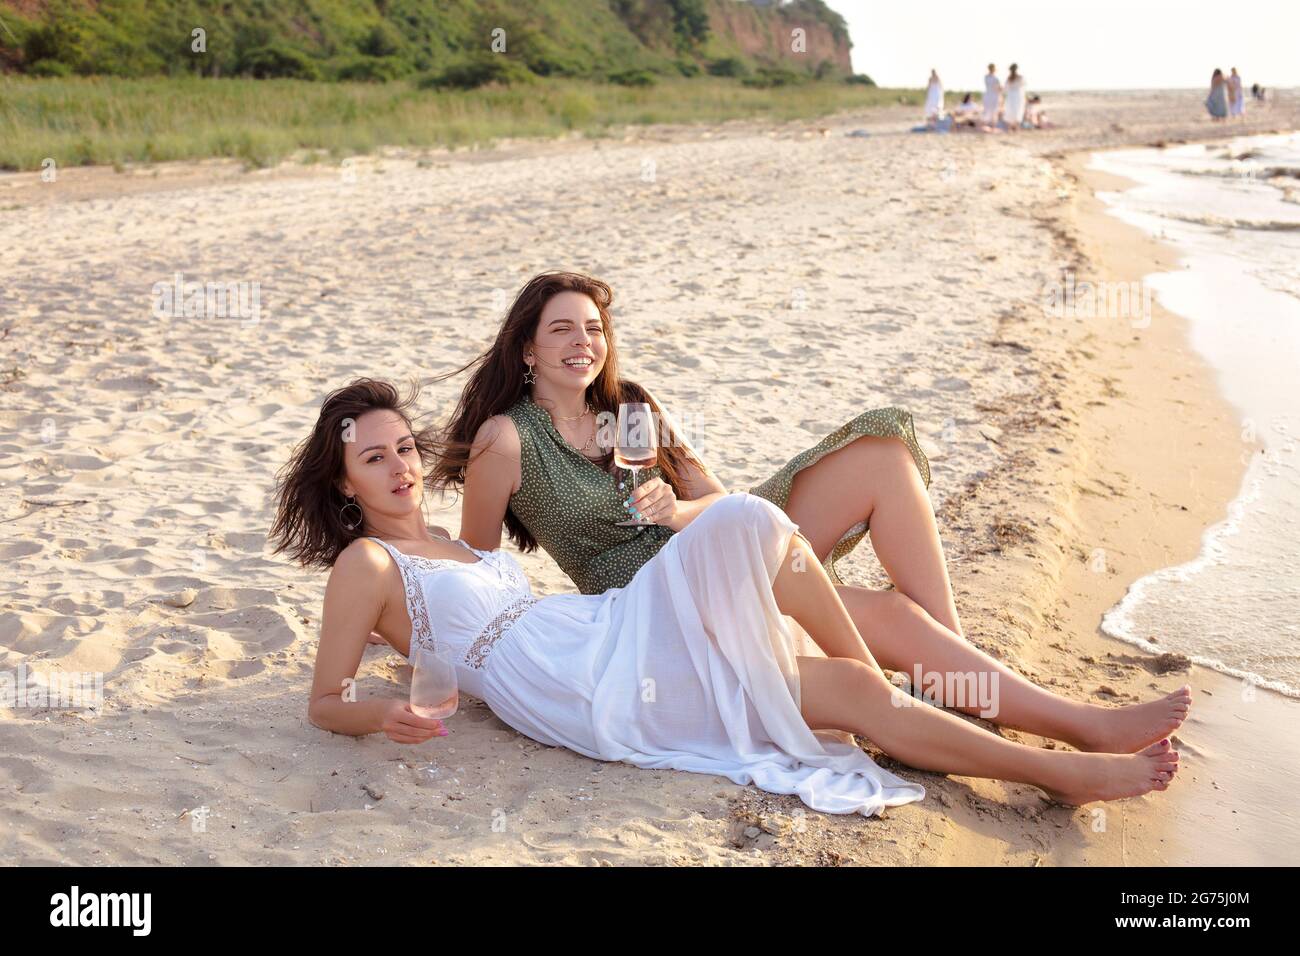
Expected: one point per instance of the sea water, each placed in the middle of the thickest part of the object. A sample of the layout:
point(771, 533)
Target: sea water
point(1232, 210)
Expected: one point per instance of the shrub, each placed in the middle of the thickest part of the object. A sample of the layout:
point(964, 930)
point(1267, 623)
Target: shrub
point(382, 40)
point(633, 78)
point(690, 22)
point(728, 66)
point(860, 78)
point(49, 68)
point(473, 72)
point(688, 67)
point(544, 59)
point(277, 60)
point(768, 76)
point(63, 40)
point(370, 69)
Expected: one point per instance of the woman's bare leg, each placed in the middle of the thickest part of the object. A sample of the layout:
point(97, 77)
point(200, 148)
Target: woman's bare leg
point(906, 636)
point(902, 629)
point(804, 591)
point(849, 695)
point(901, 636)
point(875, 479)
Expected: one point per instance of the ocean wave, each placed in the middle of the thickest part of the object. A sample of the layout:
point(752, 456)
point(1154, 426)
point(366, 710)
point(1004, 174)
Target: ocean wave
point(1121, 620)
point(1231, 222)
point(1250, 172)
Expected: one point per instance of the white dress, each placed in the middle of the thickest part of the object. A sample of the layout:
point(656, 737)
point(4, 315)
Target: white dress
point(992, 95)
point(934, 99)
point(690, 666)
point(1015, 110)
point(1236, 96)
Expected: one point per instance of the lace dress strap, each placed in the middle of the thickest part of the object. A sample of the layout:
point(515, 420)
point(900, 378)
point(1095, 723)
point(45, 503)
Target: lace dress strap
point(508, 572)
point(421, 625)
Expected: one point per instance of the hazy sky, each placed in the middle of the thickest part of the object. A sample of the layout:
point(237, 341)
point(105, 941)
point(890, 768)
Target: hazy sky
point(1066, 44)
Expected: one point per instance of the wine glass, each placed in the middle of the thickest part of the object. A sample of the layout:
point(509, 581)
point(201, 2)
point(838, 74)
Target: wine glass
point(434, 692)
point(637, 444)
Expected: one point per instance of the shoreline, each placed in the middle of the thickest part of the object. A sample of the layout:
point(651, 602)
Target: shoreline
point(1128, 407)
point(1234, 743)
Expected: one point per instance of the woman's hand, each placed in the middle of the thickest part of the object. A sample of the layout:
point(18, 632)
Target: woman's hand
point(655, 501)
point(403, 726)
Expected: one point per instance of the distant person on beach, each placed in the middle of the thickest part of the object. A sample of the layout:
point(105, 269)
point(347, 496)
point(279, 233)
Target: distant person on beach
point(1257, 92)
point(1014, 111)
point(967, 112)
point(1217, 101)
point(690, 665)
point(992, 96)
point(1236, 95)
point(934, 98)
point(1035, 114)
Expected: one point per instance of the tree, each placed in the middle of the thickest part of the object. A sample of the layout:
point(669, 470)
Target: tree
point(690, 22)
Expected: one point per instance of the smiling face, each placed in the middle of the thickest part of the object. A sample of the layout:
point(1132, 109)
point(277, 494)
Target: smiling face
point(382, 466)
point(568, 349)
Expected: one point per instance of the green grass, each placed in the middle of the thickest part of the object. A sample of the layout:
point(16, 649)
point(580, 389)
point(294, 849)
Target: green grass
point(114, 121)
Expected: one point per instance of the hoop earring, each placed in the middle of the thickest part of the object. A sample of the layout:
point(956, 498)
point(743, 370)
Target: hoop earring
point(530, 377)
point(351, 503)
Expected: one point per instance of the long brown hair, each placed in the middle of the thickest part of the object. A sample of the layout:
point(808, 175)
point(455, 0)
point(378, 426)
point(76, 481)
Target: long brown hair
point(498, 382)
point(308, 523)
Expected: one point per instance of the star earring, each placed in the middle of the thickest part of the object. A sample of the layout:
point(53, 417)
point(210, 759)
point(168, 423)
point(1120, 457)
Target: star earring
point(530, 376)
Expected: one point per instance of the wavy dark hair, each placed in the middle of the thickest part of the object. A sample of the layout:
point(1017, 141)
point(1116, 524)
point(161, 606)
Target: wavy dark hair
point(307, 522)
point(498, 382)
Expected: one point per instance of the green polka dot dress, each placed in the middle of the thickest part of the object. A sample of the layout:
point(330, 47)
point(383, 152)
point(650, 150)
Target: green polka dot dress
point(572, 506)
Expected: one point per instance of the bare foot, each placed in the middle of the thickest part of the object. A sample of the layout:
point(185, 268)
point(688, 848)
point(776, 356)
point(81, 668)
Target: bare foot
point(1126, 730)
point(1092, 777)
point(374, 638)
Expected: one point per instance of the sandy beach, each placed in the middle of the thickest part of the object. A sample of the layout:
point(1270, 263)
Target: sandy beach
point(772, 281)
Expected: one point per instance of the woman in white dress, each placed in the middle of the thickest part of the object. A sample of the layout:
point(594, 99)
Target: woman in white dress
point(1236, 94)
point(992, 96)
point(934, 98)
point(1015, 109)
point(690, 666)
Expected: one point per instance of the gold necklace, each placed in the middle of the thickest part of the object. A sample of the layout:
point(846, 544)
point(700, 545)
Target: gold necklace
point(586, 410)
point(590, 440)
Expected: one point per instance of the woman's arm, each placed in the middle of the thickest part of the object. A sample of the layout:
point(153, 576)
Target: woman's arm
point(353, 606)
point(490, 479)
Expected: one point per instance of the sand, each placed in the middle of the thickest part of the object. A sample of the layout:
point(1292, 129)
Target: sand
point(774, 280)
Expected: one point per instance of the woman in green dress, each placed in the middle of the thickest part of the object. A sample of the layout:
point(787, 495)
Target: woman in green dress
point(523, 446)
